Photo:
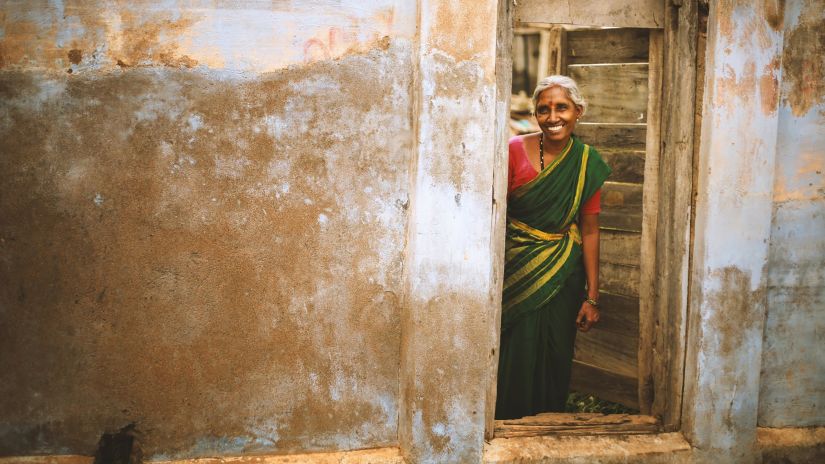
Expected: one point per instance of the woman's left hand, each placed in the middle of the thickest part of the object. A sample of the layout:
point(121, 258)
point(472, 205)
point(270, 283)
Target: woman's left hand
point(588, 317)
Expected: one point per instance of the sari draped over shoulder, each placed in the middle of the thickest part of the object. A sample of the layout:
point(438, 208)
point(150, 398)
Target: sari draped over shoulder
point(543, 242)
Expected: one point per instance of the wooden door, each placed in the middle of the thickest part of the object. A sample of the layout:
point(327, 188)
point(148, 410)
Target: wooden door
point(611, 68)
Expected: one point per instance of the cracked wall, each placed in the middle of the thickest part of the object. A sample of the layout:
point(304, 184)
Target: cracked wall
point(204, 213)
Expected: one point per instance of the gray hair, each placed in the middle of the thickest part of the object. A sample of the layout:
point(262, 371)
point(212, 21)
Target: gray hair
point(567, 84)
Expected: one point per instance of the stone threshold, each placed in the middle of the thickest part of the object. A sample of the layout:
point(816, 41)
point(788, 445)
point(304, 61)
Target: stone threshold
point(602, 449)
point(788, 444)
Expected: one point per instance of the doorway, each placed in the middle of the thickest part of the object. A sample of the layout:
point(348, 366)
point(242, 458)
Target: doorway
point(613, 69)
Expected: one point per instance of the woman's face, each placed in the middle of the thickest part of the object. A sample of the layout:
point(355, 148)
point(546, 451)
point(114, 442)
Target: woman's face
point(556, 114)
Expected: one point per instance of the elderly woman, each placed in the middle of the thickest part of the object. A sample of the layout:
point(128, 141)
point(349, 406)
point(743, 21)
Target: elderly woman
point(552, 251)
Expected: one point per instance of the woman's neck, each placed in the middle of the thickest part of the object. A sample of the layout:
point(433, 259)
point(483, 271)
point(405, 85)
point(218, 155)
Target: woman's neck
point(552, 147)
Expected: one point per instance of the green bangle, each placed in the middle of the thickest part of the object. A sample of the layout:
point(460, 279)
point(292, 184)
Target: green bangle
point(592, 302)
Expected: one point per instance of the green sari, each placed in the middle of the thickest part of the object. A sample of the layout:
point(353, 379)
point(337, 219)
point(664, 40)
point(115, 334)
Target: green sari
point(544, 282)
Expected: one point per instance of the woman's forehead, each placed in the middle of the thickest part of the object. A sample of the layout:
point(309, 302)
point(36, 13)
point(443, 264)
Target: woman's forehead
point(554, 94)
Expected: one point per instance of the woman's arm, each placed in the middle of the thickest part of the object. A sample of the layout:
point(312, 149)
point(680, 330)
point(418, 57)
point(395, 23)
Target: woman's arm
point(589, 314)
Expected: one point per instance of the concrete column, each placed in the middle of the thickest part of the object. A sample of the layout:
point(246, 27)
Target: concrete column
point(732, 229)
point(451, 300)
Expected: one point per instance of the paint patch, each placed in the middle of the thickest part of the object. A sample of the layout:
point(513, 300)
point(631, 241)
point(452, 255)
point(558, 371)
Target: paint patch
point(734, 89)
point(769, 87)
point(804, 60)
point(775, 13)
point(75, 56)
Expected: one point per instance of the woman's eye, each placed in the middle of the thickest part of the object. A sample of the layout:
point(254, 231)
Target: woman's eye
point(542, 110)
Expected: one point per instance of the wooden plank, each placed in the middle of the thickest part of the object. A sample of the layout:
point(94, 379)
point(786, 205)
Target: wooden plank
point(525, 51)
point(619, 278)
point(615, 93)
point(561, 56)
point(504, 38)
point(610, 386)
point(674, 204)
point(613, 344)
point(576, 424)
point(619, 247)
point(621, 207)
point(607, 137)
point(607, 13)
point(545, 54)
point(576, 419)
point(626, 306)
point(647, 249)
point(625, 45)
point(627, 165)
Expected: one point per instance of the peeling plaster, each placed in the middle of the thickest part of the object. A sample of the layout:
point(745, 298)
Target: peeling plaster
point(232, 237)
point(791, 387)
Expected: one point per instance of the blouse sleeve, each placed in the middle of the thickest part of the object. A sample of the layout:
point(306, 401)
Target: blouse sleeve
point(593, 204)
point(512, 161)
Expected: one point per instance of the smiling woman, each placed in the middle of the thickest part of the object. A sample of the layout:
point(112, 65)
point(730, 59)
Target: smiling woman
point(551, 252)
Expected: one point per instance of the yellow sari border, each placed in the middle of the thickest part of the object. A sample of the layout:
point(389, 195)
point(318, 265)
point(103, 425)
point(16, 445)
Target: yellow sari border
point(535, 233)
point(544, 278)
point(579, 185)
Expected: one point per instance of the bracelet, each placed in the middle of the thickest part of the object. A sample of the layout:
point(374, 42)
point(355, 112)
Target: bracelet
point(592, 302)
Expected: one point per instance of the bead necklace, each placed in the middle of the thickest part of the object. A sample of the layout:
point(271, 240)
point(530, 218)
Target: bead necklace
point(541, 150)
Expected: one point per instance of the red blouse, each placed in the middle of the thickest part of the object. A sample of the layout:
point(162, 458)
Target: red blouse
point(521, 172)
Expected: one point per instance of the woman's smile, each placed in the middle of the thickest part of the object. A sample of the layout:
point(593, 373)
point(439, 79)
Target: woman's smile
point(555, 127)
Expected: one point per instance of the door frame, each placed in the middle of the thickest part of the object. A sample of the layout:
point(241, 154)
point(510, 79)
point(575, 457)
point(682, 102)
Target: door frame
point(667, 195)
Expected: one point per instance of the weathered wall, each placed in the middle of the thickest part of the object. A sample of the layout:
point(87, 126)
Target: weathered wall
point(452, 279)
point(734, 179)
point(792, 389)
point(202, 223)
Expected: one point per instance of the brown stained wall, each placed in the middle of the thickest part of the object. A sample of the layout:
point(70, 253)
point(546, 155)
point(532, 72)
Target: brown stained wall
point(213, 257)
point(791, 385)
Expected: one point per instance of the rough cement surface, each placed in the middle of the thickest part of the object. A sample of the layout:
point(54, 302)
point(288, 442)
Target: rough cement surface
point(215, 259)
point(792, 390)
point(448, 326)
point(728, 296)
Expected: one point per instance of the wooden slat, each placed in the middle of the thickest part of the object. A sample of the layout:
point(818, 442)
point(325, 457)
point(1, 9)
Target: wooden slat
point(613, 343)
point(607, 137)
point(619, 278)
point(576, 424)
point(615, 93)
point(604, 384)
point(626, 45)
point(673, 225)
point(627, 165)
point(626, 309)
point(620, 247)
point(621, 206)
point(614, 13)
point(647, 256)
